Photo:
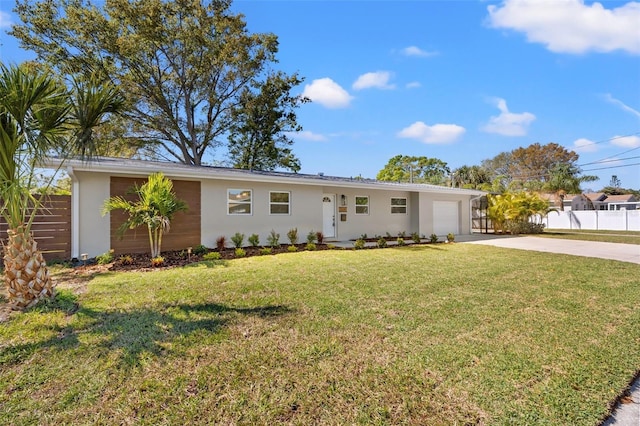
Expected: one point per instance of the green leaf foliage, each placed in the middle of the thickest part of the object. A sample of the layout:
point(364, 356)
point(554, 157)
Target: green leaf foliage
point(186, 66)
point(156, 206)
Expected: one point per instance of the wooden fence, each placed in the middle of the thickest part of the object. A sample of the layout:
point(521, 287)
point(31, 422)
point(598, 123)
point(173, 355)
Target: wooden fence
point(51, 227)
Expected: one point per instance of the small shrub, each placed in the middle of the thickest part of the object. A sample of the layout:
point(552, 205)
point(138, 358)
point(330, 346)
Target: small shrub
point(319, 237)
point(199, 250)
point(387, 234)
point(331, 246)
point(359, 243)
point(382, 243)
point(292, 235)
point(363, 237)
point(310, 246)
point(273, 240)
point(292, 249)
point(525, 228)
point(433, 238)
point(415, 237)
point(104, 258)
point(402, 234)
point(214, 255)
point(450, 237)
point(237, 239)
point(254, 240)
point(126, 260)
point(311, 236)
point(400, 241)
point(265, 250)
point(240, 252)
point(157, 261)
point(221, 242)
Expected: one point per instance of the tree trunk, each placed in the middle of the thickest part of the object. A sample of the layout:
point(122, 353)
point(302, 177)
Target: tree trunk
point(25, 270)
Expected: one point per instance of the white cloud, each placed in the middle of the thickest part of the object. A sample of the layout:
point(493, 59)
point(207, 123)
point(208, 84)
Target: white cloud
point(416, 51)
point(584, 145)
point(5, 20)
point(436, 134)
point(622, 105)
point(626, 141)
point(570, 26)
point(378, 79)
point(413, 85)
point(307, 136)
point(327, 93)
point(508, 123)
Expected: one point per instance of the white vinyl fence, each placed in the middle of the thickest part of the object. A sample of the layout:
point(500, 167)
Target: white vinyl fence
point(613, 220)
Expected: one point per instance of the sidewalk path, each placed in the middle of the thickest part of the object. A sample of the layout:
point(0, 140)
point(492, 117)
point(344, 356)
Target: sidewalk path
point(625, 414)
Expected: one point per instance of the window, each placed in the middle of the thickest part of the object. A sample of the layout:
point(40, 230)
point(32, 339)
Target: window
point(362, 205)
point(398, 205)
point(239, 201)
point(279, 202)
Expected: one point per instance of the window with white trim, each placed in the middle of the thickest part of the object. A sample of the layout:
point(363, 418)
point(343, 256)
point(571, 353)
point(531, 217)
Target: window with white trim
point(239, 201)
point(362, 205)
point(398, 205)
point(279, 202)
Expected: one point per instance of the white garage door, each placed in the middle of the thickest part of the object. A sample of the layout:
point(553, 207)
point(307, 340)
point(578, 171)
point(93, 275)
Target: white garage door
point(446, 217)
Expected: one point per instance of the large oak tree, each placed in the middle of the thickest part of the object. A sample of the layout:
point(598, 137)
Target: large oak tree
point(183, 64)
point(405, 168)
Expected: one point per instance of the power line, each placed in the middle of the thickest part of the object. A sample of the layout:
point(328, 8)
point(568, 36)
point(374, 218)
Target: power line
point(612, 157)
point(606, 140)
point(613, 167)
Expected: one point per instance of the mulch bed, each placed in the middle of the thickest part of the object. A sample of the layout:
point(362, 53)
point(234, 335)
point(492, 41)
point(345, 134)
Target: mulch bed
point(142, 261)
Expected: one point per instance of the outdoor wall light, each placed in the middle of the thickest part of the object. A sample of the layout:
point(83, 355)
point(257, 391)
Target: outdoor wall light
point(343, 200)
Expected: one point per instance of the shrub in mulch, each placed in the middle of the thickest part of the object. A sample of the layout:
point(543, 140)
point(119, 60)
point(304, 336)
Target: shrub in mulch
point(143, 261)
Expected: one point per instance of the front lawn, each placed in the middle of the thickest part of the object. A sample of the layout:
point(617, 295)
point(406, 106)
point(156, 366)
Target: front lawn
point(432, 334)
point(624, 237)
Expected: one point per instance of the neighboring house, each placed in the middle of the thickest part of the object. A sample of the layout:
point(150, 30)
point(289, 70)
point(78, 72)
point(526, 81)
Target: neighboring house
point(223, 201)
point(602, 201)
point(619, 202)
point(554, 200)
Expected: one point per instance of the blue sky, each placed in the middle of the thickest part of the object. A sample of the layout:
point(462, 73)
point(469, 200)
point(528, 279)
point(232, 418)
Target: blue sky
point(460, 81)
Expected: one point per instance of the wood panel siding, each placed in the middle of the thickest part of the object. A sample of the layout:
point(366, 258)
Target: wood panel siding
point(185, 226)
point(51, 227)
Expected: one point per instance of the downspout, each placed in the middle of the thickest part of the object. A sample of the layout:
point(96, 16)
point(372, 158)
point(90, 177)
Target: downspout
point(75, 214)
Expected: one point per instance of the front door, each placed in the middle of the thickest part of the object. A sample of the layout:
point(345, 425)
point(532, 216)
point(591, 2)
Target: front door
point(329, 215)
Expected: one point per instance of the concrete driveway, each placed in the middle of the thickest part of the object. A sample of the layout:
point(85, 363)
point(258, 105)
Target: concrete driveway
point(627, 413)
point(613, 251)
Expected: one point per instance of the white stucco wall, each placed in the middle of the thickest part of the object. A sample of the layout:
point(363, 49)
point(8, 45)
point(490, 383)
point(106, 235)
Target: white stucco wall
point(426, 212)
point(305, 211)
point(94, 238)
point(379, 221)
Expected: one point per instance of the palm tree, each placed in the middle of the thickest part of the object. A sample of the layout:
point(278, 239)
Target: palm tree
point(37, 117)
point(155, 208)
point(564, 180)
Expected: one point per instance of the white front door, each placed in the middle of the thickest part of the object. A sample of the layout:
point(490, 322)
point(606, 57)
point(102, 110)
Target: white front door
point(329, 215)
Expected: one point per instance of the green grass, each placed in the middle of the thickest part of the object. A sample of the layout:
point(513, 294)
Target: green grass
point(434, 334)
point(624, 237)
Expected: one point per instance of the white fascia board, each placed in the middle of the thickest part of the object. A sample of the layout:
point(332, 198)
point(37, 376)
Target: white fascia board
point(181, 171)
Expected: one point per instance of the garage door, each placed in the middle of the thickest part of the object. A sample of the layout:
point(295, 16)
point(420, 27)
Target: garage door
point(446, 217)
